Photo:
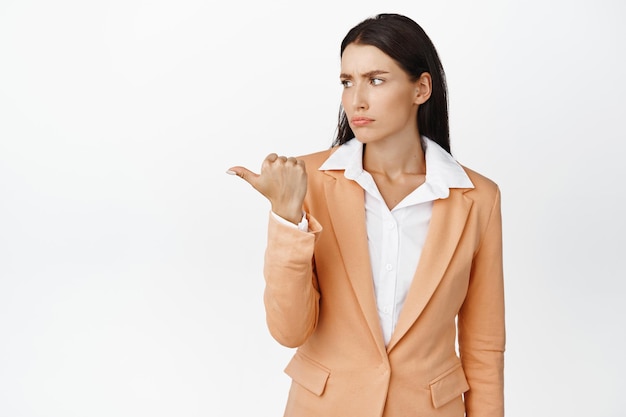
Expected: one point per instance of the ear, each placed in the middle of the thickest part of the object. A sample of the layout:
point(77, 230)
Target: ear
point(423, 88)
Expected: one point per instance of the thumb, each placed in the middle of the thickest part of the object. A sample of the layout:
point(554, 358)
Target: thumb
point(249, 176)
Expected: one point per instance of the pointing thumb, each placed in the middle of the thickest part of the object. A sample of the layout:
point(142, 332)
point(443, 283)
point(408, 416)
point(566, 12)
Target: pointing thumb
point(244, 173)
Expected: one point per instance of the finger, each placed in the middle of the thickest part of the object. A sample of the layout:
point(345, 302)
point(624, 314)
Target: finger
point(292, 160)
point(271, 160)
point(249, 176)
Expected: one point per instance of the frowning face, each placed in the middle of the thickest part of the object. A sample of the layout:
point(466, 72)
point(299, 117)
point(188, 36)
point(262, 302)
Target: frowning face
point(379, 97)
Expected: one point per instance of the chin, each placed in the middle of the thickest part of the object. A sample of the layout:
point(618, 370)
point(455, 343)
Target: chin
point(366, 138)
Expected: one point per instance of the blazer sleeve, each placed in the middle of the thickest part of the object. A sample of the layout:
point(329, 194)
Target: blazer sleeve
point(481, 323)
point(291, 294)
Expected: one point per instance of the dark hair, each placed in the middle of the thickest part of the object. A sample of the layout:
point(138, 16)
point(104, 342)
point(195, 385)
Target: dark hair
point(406, 42)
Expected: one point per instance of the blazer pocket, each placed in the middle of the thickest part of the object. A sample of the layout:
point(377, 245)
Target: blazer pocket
point(308, 373)
point(448, 386)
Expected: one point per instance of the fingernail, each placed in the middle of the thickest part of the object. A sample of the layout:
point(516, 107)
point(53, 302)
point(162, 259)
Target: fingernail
point(231, 172)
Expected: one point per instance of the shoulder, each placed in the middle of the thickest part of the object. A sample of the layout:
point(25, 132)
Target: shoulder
point(478, 179)
point(312, 163)
point(484, 188)
point(314, 160)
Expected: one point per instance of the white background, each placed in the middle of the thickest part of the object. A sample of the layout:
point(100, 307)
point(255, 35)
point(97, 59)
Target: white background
point(130, 263)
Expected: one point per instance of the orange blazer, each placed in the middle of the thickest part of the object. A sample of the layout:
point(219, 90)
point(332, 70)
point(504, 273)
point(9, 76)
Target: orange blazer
point(319, 297)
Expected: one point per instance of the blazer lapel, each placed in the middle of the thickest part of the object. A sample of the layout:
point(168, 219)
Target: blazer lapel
point(446, 226)
point(346, 206)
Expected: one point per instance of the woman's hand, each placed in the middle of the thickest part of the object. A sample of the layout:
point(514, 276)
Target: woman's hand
point(282, 181)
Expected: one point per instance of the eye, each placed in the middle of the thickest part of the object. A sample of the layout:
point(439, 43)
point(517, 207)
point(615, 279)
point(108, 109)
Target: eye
point(346, 83)
point(376, 81)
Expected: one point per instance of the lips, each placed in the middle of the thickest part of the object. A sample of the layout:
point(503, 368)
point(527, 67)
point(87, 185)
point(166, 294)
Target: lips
point(361, 121)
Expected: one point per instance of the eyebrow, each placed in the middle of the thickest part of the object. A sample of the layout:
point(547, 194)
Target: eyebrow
point(368, 74)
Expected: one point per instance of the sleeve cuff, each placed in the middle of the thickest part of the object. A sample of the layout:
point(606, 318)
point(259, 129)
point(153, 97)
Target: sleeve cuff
point(303, 226)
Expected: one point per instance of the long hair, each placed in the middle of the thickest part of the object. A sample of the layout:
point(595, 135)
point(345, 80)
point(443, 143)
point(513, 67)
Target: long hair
point(406, 42)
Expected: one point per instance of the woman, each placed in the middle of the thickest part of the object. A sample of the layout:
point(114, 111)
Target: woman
point(379, 245)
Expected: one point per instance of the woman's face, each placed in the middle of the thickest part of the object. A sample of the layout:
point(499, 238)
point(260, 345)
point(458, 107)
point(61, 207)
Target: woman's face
point(379, 98)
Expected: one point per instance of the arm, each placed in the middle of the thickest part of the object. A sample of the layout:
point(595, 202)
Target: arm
point(481, 324)
point(291, 292)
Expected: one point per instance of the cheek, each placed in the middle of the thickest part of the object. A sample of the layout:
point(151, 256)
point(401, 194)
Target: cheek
point(344, 94)
point(401, 104)
point(345, 101)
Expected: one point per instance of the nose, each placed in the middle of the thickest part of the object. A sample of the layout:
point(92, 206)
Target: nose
point(359, 96)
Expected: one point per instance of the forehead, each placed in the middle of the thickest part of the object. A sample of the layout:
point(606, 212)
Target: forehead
point(358, 58)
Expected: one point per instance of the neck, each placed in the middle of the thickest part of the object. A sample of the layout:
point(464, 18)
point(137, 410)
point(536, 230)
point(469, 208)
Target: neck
point(395, 158)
